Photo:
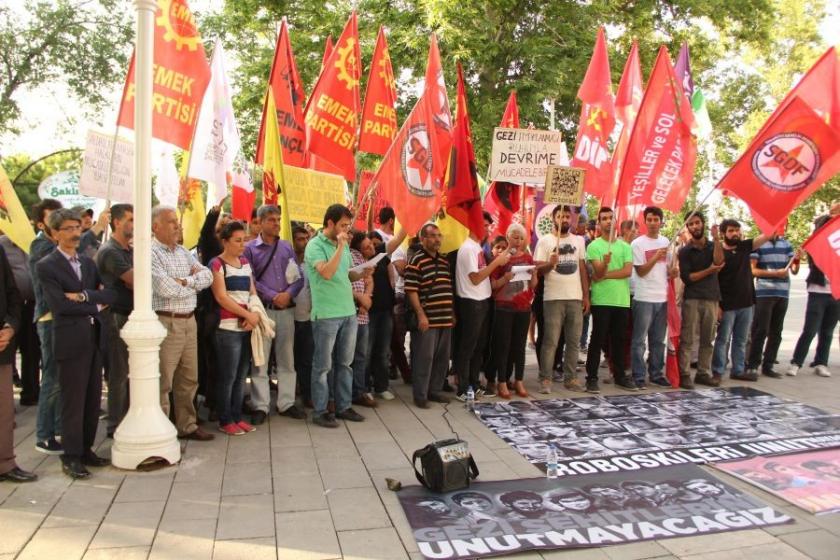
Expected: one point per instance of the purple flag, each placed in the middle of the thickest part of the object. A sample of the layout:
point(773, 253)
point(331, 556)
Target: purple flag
point(683, 71)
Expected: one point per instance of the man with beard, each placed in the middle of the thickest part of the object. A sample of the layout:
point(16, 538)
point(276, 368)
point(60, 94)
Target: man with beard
point(700, 261)
point(737, 299)
point(704, 487)
point(560, 257)
point(607, 497)
point(524, 504)
point(643, 494)
point(477, 507)
point(435, 512)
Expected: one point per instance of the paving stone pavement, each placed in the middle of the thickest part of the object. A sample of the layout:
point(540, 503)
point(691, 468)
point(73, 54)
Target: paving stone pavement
point(294, 491)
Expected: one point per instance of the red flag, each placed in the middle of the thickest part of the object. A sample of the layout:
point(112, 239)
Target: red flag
point(367, 205)
point(597, 119)
point(791, 158)
point(661, 154)
point(181, 74)
point(435, 90)
point(328, 49)
point(672, 363)
point(287, 88)
point(463, 199)
point(379, 119)
point(502, 200)
point(332, 111)
point(628, 99)
point(824, 248)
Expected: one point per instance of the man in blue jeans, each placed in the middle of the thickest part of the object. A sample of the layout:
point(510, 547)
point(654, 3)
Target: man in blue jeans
point(650, 314)
point(737, 299)
point(328, 262)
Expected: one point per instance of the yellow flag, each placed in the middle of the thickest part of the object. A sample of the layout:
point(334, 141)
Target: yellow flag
point(191, 211)
point(274, 183)
point(13, 219)
point(454, 233)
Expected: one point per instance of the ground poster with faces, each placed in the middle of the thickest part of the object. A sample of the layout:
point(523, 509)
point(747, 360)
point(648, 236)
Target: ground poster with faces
point(625, 433)
point(504, 517)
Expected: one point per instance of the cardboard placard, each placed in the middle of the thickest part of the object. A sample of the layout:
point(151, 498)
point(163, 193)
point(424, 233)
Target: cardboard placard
point(564, 185)
point(522, 155)
point(309, 193)
point(94, 178)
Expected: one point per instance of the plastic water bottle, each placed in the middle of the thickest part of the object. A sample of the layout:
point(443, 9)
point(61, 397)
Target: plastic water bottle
point(551, 460)
point(470, 400)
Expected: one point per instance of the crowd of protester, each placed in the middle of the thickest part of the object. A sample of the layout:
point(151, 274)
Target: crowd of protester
point(320, 321)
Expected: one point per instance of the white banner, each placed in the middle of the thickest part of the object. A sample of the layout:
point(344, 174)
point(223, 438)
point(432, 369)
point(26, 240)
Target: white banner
point(94, 178)
point(522, 155)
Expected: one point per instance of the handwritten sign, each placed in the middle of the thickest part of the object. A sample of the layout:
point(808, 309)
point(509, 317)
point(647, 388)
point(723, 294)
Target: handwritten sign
point(308, 193)
point(522, 155)
point(94, 179)
point(563, 185)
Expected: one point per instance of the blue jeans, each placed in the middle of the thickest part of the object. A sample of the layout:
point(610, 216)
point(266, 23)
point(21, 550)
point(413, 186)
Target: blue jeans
point(650, 321)
point(735, 323)
point(233, 352)
point(49, 399)
point(335, 344)
point(821, 314)
point(360, 361)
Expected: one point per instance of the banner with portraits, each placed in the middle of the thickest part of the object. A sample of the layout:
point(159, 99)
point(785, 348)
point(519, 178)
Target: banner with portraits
point(495, 518)
point(649, 430)
point(810, 481)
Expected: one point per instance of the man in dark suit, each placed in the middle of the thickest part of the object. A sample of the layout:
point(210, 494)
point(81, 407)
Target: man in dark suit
point(74, 295)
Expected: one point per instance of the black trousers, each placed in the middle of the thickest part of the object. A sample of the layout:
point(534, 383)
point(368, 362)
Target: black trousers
point(507, 347)
point(472, 328)
point(30, 355)
point(303, 350)
point(767, 325)
point(80, 380)
point(609, 327)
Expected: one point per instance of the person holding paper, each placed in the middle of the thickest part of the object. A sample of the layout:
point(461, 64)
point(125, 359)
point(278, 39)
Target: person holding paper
point(512, 296)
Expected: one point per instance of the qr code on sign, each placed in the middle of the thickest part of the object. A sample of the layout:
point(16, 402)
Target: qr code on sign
point(564, 185)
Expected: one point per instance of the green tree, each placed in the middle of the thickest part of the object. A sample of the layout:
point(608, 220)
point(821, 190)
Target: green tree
point(81, 43)
point(26, 176)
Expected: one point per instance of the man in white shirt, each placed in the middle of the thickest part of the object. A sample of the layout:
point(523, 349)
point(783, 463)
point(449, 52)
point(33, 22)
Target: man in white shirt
point(387, 219)
point(650, 311)
point(561, 259)
point(472, 275)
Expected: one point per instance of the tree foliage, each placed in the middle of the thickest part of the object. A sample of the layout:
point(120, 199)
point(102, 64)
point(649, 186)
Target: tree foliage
point(82, 44)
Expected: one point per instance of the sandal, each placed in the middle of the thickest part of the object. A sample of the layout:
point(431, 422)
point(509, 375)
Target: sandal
point(520, 389)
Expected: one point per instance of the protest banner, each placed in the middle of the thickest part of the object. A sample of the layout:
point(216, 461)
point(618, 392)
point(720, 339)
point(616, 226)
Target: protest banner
point(563, 185)
point(628, 433)
point(97, 160)
point(504, 517)
point(522, 155)
point(64, 187)
point(309, 193)
point(810, 481)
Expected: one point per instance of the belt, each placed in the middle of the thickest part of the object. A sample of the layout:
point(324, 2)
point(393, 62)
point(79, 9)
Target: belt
point(174, 315)
point(271, 306)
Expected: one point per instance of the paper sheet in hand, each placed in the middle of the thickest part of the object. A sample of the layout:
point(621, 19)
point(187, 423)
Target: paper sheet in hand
point(521, 272)
point(368, 264)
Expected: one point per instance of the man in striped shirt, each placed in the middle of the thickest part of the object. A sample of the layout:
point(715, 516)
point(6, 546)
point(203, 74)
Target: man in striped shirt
point(428, 291)
point(772, 289)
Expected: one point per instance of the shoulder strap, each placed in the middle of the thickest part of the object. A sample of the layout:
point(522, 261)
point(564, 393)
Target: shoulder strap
point(417, 455)
point(259, 274)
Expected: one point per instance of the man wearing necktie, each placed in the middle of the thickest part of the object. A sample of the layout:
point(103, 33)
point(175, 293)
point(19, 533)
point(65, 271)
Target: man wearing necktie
point(75, 296)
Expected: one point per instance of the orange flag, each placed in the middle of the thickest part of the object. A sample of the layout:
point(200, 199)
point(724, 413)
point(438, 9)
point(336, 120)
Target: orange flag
point(597, 119)
point(289, 95)
point(180, 74)
point(435, 90)
point(332, 112)
point(628, 99)
point(463, 199)
point(661, 154)
point(379, 119)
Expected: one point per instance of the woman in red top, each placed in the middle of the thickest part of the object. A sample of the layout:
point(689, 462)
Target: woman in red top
point(512, 315)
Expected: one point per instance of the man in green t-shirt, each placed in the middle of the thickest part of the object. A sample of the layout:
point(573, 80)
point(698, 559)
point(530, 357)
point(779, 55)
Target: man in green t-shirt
point(328, 261)
point(612, 263)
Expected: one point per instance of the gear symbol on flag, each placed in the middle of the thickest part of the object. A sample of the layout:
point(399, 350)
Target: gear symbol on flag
point(387, 77)
point(170, 33)
point(346, 64)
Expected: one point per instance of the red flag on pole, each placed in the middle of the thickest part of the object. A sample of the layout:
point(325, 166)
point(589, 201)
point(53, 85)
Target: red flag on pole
point(502, 200)
point(328, 49)
point(463, 199)
point(597, 119)
point(181, 74)
point(661, 154)
point(672, 363)
point(379, 119)
point(332, 111)
point(289, 96)
point(435, 90)
point(628, 99)
point(824, 248)
point(795, 153)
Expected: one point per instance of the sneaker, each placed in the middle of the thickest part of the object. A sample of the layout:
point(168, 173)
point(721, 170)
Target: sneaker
point(660, 382)
point(350, 415)
point(626, 384)
point(480, 392)
point(461, 397)
point(232, 429)
point(640, 385)
point(545, 387)
point(592, 387)
point(385, 395)
point(325, 420)
point(245, 426)
point(490, 390)
point(822, 371)
point(574, 385)
point(792, 370)
point(49, 447)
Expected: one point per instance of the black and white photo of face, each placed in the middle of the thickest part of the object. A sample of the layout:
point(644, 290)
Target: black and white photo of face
point(700, 434)
point(606, 412)
point(677, 408)
point(501, 421)
point(516, 435)
point(572, 414)
point(580, 448)
point(609, 494)
point(474, 502)
point(739, 415)
point(776, 429)
point(737, 432)
point(775, 413)
point(665, 438)
point(665, 421)
point(535, 452)
point(621, 400)
point(805, 411)
point(641, 489)
point(571, 501)
point(704, 488)
point(432, 505)
point(553, 431)
point(532, 416)
point(550, 405)
point(699, 419)
point(624, 442)
point(520, 406)
point(643, 410)
point(812, 425)
point(596, 427)
point(636, 425)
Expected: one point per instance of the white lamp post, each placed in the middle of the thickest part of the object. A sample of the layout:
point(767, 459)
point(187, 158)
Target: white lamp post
point(146, 432)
